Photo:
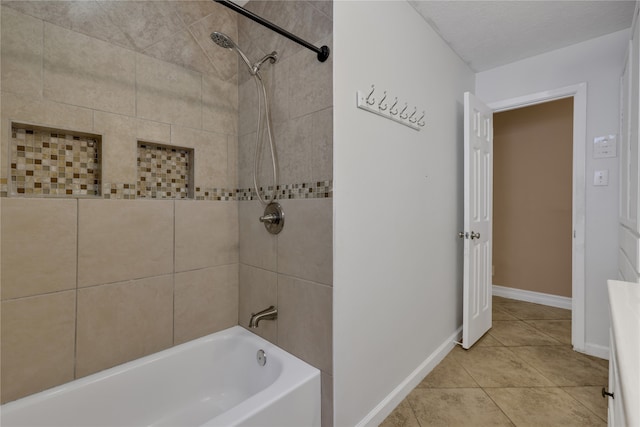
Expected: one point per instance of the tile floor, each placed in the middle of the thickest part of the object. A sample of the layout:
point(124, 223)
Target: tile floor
point(523, 372)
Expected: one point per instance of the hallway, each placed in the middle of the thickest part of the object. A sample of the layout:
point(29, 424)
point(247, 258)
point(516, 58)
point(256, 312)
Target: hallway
point(523, 372)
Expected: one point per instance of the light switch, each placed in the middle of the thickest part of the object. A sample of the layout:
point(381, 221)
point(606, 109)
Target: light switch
point(605, 146)
point(601, 177)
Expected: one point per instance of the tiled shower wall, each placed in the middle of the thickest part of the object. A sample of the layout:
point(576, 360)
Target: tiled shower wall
point(88, 283)
point(292, 270)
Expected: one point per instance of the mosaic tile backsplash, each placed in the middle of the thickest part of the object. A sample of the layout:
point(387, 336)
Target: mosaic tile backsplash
point(164, 172)
point(52, 163)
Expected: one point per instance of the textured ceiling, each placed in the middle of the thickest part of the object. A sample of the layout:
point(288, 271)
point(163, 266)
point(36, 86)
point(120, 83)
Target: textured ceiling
point(487, 34)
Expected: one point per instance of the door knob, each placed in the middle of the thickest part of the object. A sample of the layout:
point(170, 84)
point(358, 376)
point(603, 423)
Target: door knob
point(462, 234)
point(474, 235)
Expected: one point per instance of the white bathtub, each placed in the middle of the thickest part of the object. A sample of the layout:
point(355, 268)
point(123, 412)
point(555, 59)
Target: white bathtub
point(212, 381)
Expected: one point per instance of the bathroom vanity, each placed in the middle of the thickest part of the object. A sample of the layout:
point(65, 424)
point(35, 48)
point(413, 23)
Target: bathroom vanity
point(624, 357)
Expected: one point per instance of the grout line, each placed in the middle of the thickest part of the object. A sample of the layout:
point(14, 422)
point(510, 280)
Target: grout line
point(499, 407)
point(580, 402)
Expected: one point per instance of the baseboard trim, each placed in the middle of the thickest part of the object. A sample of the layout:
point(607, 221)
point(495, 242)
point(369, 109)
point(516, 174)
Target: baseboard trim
point(597, 350)
point(530, 296)
point(397, 395)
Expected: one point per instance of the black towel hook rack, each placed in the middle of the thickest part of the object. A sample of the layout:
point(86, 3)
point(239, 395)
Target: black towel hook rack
point(323, 52)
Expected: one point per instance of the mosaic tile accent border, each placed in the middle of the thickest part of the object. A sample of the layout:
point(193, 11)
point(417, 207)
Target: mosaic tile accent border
point(310, 190)
point(4, 187)
point(215, 194)
point(305, 190)
point(53, 163)
point(118, 191)
point(164, 172)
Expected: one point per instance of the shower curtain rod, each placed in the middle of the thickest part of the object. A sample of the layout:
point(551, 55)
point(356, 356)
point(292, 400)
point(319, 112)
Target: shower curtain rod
point(323, 52)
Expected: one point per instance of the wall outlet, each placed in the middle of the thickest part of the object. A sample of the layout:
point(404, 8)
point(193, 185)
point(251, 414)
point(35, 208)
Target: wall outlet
point(601, 177)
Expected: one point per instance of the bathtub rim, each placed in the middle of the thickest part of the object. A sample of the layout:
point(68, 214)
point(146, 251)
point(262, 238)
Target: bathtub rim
point(295, 373)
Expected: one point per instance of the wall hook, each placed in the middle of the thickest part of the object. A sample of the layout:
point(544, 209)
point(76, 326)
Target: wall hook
point(403, 116)
point(394, 110)
point(380, 103)
point(411, 119)
point(420, 121)
point(370, 99)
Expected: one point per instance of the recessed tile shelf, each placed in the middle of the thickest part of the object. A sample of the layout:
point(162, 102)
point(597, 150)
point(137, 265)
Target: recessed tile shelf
point(164, 172)
point(54, 163)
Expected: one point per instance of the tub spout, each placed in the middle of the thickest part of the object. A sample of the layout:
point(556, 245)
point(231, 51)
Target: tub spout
point(270, 313)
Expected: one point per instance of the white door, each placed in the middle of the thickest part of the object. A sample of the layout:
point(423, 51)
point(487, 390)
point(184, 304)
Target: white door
point(478, 205)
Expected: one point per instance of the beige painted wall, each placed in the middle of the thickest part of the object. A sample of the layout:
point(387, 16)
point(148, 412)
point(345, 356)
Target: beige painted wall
point(532, 198)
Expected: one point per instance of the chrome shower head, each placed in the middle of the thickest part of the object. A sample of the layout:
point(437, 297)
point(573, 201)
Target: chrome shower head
point(225, 41)
point(222, 40)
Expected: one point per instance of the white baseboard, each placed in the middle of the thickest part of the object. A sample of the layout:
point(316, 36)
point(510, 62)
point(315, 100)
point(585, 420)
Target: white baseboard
point(597, 350)
point(530, 296)
point(393, 399)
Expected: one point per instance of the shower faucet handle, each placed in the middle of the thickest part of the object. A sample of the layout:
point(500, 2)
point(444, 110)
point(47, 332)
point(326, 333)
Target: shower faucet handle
point(269, 218)
point(273, 218)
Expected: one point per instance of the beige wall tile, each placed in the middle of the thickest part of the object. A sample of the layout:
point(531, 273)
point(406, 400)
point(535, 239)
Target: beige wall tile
point(324, 6)
point(305, 321)
point(258, 290)
point(22, 40)
point(219, 105)
point(181, 49)
point(322, 145)
point(206, 301)
point(257, 247)
point(248, 107)
point(87, 72)
point(22, 109)
point(206, 234)
point(145, 22)
point(295, 149)
point(45, 113)
point(153, 131)
point(168, 93)
point(246, 147)
point(210, 155)
point(306, 98)
point(86, 17)
point(224, 61)
point(123, 239)
point(38, 345)
point(38, 246)
point(232, 161)
point(279, 87)
point(123, 321)
point(305, 245)
point(119, 147)
point(192, 11)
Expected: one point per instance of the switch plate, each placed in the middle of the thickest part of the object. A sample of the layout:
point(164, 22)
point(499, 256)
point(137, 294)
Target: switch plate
point(604, 147)
point(601, 177)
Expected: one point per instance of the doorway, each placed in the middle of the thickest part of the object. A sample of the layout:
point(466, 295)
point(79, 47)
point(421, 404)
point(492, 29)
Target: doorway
point(532, 200)
point(577, 231)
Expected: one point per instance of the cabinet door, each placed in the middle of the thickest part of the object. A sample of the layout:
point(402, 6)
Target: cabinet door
point(615, 408)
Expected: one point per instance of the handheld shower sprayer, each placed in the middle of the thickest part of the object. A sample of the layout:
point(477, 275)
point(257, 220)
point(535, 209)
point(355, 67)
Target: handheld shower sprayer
point(226, 42)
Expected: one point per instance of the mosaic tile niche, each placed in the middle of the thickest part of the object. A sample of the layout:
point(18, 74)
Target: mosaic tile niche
point(164, 172)
point(54, 163)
